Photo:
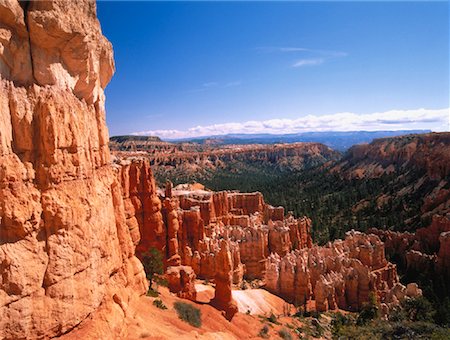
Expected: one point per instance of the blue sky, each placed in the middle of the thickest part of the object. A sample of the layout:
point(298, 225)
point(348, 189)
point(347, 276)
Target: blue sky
point(188, 69)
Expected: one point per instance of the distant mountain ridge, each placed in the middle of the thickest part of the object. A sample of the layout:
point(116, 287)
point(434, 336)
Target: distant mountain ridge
point(125, 138)
point(338, 140)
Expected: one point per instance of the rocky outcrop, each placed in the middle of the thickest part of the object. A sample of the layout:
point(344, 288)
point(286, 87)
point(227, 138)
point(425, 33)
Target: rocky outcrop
point(443, 258)
point(192, 226)
point(223, 299)
point(67, 243)
point(338, 275)
point(142, 205)
point(163, 154)
point(181, 280)
point(424, 251)
point(244, 220)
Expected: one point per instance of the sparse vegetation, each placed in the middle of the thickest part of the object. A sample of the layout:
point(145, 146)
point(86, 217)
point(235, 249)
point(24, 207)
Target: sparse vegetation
point(264, 332)
point(401, 324)
point(285, 334)
point(318, 329)
point(161, 281)
point(152, 260)
point(418, 309)
point(188, 313)
point(369, 310)
point(382, 329)
point(273, 319)
point(152, 293)
point(159, 304)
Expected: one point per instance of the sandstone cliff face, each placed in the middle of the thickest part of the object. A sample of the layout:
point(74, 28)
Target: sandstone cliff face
point(200, 162)
point(430, 152)
point(410, 175)
point(66, 246)
point(339, 275)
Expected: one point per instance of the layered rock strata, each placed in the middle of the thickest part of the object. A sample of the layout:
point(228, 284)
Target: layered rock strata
point(428, 152)
point(190, 223)
point(66, 242)
point(338, 275)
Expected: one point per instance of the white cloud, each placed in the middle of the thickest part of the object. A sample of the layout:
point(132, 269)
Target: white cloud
point(308, 62)
point(291, 49)
point(435, 120)
point(317, 57)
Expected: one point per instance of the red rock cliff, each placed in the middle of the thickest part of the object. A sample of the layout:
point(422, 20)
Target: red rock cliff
point(67, 245)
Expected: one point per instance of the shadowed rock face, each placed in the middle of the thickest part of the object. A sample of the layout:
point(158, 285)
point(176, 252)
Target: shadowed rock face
point(430, 152)
point(338, 275)
point(65, 244)
point(425, 251)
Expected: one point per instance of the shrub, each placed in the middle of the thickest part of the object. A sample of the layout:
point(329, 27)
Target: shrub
point(188, 313)
point(159, 304)
point(381, 329)
point(285, 334)
point(272, 318)
point(369, 311)
point(264, 332)
point(318, 328)
point(152, 260)
point(339, 321)
point(418, 309)
point(152, 293)
point(161, 281)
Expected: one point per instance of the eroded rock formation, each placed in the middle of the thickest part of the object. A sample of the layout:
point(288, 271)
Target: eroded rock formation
point(67, 244)
point(426, 250)
point(338, 275)
point(386, 155)
point(195, 221)
point(223, 300)
point(198, 161)
point(192, 225)
point(181, 280)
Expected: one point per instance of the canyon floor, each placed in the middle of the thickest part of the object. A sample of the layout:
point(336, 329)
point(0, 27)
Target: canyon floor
point(146, 321)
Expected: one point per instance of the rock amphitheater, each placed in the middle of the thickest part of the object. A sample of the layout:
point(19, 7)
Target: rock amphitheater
point(74, 221)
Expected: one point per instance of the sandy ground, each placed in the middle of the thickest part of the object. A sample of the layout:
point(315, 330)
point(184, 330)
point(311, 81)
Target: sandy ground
point(260, 302)
point(249, 301)
point(142, 320)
